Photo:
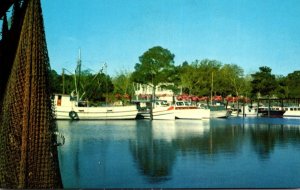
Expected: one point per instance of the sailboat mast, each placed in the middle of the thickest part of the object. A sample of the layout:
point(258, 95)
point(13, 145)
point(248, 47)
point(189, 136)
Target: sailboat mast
point(77, 73)
point(63, 80)
point(212, 87)
point(79, 66)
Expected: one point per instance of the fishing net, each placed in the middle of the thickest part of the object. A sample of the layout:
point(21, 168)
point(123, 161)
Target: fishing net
point(28, 156)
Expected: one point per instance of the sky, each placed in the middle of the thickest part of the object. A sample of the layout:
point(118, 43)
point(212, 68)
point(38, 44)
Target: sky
point(249, 33)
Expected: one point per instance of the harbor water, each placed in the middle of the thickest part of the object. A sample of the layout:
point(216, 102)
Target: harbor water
point(216, 153)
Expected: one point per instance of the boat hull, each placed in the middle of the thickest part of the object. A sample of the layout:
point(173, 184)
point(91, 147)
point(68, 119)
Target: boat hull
point(159, 113)
point(292, 113)
point(192, 113)
point(97, 113)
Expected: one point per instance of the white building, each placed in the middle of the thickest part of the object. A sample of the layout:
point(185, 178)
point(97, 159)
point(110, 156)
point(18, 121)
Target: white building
point(144, 92)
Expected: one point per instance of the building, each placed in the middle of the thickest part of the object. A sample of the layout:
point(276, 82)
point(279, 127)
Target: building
point(144, 92)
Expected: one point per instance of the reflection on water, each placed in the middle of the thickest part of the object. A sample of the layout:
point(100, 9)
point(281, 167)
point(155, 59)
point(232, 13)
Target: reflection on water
point(209, 153)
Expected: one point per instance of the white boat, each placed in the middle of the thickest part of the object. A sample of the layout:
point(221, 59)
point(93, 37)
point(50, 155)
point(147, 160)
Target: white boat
point(215, 111)
point(292, 112)
point(249, 111)
point(161, 111)
point(219, 112)
point(184, 110)
point(262, 111)
point(67, 108)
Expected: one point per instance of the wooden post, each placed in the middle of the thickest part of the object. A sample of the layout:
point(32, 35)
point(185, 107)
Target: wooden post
point(238, 108)
point(269, 106)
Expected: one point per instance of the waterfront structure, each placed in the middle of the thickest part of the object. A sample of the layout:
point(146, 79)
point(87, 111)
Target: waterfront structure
point(144, 92)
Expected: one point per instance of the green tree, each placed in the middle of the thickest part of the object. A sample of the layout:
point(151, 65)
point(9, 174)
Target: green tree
point(123, 85)
point(156, 66)
point(281, 90)
point(209, 80)
point(55, 82)
point(96, 87)
point(293, 84)
point(264, 82)
point(232, 78)
point(185, 72)
point(247, 87)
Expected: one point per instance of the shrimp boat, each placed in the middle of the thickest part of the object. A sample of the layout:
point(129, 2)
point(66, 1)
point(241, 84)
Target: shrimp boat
point(72, 107)
point(68, 108)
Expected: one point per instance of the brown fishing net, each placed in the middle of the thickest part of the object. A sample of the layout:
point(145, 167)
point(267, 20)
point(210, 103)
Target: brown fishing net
point(28, 154)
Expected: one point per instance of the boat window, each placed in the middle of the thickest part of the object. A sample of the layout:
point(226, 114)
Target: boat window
point(58, 100)
point(187, 103)
point(82, 104)
point(179, 103)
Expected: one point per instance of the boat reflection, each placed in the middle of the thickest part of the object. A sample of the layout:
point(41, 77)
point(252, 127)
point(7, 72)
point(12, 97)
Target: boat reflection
point(110, 152)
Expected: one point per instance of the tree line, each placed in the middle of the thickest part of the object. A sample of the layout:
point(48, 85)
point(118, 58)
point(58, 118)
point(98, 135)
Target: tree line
point(199, 78)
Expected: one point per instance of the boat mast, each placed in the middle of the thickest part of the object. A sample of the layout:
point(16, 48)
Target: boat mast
point(77, 72)
point(63, 80)
point(212, 86)
point(106, 83)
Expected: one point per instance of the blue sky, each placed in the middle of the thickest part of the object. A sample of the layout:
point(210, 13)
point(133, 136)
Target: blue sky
point(249, 33)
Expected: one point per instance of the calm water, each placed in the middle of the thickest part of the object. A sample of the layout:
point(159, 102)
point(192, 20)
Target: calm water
point(249, 153)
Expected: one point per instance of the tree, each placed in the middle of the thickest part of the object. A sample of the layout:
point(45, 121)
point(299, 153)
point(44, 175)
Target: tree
point(263, 83)
point(293, 84)
point(156, 66)
point(232, 77)
point(123, 86)
point(208, 77)
point(185, 71)
point(96, 87)
point(281, 90)
point(55, 82)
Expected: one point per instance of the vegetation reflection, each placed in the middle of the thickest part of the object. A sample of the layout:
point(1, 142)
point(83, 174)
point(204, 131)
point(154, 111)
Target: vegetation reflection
point(156, 146)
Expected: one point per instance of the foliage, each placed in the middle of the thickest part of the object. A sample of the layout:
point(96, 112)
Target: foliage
point(92, 87)
point(123, 88)
point(281, 90)
point(55, 82)
point(200, 78)
point(293, 84)
point(96, 86)
point(232, 78)
point(263, 83)
point(156, 66)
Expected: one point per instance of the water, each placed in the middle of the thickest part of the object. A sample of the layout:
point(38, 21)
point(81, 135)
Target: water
point(218, 153)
